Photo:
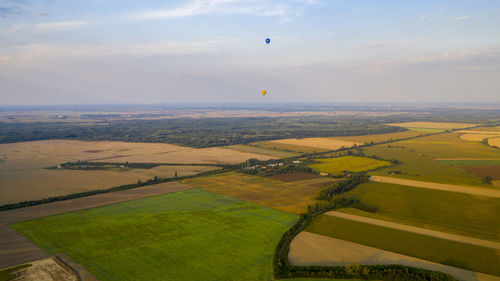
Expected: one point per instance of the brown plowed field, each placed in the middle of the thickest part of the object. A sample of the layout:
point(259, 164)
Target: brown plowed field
point(483, 171)
point(294, 177)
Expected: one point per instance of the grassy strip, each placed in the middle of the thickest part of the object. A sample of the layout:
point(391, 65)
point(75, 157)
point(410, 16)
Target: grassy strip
point(472, 257)
point(156, 180)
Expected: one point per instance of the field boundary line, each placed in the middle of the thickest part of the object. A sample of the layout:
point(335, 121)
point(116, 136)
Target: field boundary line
point(439, 186)
point(417, 230)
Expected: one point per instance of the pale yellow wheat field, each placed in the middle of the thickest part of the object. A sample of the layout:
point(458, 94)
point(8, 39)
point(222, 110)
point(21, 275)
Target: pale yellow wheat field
point(324, 143)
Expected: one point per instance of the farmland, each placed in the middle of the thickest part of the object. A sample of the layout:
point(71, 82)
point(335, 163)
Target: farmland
point(262, 150)
point(188, 235)
point(290, 197)
point(366, 139)
point(494, 142)
point(438, 250)
point(338, 165)
point(432, 126)
point(313, 249)
point(24, 176)
point(449, 145)
point(291, 148)
point(434, 209)
point(318, 143)
point(416, 166)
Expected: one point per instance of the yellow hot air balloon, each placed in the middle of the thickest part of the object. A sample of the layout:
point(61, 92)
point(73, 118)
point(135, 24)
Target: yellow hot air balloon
point(264, 92)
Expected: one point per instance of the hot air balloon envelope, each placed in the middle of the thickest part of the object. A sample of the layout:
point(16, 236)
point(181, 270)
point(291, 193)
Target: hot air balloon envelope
point(268, 41)
point(264, 92)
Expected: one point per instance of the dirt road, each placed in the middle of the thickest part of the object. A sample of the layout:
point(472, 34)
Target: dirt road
point(314, 249)
point(474, 190)
point(16, 249)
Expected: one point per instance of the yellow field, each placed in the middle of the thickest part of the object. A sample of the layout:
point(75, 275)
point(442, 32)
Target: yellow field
point(262, 150)
point(433, 125)
point(338, 165)
point(494, 142)
point(28, 180)
point(321, 143)
point(113, 151)
point(292, 197)
point(283, 147)
point(477, 137)
point(381, 137)
point(23, 176)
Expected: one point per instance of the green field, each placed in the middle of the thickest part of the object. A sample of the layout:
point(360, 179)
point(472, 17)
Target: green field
point(188, 235)
point(262, 150)
point(338, 165)
point(416, 166)
point(426, 247)
point(460, 163)
point(449, 145)
point(464, 214)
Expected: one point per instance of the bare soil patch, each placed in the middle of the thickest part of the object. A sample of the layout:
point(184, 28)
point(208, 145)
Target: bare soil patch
point(483, 171)
point(46, 270)
point(294, 176)
point(314, 249)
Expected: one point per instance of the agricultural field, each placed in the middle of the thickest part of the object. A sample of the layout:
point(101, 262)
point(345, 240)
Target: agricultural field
point(290, 148)
point(449, 145)
point(467, 256)
point(24, 176)
point(313, 249)
point(417, 166)
point(262, 150)
point(187, 235)
point(28, 180)
point(494, 142)
point(367, 139)
point(432, 209)
point(339, 165)
point(111, 151)
point(307, 145)
point(292, 197)
point(432, 127)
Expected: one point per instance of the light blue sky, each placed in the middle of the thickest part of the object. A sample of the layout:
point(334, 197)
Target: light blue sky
point(101, 51)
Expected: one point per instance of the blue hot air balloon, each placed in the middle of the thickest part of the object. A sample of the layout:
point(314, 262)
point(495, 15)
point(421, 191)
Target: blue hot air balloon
point(268, 41)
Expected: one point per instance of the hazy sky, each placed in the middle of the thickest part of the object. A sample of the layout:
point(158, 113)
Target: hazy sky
point(129, 51)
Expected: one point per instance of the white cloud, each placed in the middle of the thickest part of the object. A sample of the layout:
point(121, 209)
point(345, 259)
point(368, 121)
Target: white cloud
point(60, 25)
point(41, 52)
point(462, 18)
point(394, 42)
point(425, 16)
point(226, 7)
